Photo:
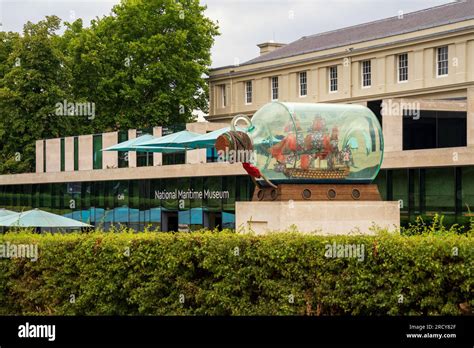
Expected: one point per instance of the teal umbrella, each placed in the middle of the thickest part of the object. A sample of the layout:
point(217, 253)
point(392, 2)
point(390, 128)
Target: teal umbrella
point(135, 145)
point(207, 140)
point(5, 212)
point(174, 140)
point(129, 144)
point(160, 149)
point(40, 218)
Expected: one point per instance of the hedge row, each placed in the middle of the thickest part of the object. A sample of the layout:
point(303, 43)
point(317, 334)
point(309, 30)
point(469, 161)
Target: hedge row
point(208, 273)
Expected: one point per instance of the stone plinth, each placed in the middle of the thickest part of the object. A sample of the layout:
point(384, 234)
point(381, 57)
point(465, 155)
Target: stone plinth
point(334, 217)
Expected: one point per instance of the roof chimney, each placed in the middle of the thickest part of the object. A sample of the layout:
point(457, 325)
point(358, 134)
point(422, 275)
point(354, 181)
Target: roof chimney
point(268, 47)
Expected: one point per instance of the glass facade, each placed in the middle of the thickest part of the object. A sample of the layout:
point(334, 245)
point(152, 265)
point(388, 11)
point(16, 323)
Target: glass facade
point(192, 203)
point(168, 204)
point(63, 154)
point(97, 151)
point(174, 158)
point(439, 128)
point(76, 153)
point(144, 159)
point(448, 191)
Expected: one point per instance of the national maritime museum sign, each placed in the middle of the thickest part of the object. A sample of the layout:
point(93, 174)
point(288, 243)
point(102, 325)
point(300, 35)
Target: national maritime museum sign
point(191, 194)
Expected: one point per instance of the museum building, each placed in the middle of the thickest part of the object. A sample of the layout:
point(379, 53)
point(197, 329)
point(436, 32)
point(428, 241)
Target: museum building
point(415, 72)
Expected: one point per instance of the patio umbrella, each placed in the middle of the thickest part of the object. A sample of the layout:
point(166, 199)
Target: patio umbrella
point(135, 145)
point(205, 140)
point(130, 144)
point(40, 218)
point(174, 140)
point(6, 212)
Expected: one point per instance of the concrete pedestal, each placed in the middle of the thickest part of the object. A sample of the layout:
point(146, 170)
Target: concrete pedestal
point(333, 217)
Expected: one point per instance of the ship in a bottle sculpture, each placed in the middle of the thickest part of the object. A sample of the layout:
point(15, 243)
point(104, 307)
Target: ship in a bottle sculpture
point(321, 150)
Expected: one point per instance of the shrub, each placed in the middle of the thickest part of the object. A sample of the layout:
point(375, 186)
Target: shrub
point(208, 273)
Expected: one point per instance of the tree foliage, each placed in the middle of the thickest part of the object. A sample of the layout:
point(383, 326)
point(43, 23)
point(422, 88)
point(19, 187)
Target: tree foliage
point(141, 66)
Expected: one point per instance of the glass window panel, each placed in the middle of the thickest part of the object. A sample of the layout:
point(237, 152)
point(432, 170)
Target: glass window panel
point(86, 202)
point(413, 127)
point(121, 211)
point(439, 190)
point(468, 190)
point(211, 196)
point(416, 209)
point(2, 196)
point(184, 193)
point(63, 155)
point(144, 195)
point(169, 199)
point(184, 220)
point(274, 85)
point(66, 198)
point(108, 207)
point(442, 61)
point(211, 155)
point(403, 67)
point(366, 73)
point(174, 158)
point(74, 189)
point(155, 203)
point(99, 203)
point(76, 153)
point(6, 197)
point(244, 190)
point(248, 92)
point(381, 182)
point(45, 197)
point(451, 129)
point(144, 159)
point(333, 78)
point(134, 204)
point(303, 83)
point(197, 186)
point(228, 220)
point(400, 188)
point(439, 128)
point(44, 156)
point(229, 184)
point(14, 197)
point(97, 151)
point(35, 196)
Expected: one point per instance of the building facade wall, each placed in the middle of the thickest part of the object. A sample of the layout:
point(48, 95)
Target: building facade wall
point(39, 156)
point(69, 155)
point(420, 47)
point(53, 155)
point(110, 158)
point(85, 152)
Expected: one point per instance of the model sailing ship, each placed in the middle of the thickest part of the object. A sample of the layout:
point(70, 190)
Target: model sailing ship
point(300, 156)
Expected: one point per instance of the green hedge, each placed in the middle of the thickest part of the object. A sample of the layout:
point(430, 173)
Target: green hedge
point(208, 273)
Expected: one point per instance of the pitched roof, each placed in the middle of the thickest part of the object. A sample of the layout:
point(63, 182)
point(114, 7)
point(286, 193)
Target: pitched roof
point(431, 17)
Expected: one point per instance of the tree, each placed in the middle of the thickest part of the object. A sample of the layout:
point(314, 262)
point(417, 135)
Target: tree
point(143, 65)
point(34, 80)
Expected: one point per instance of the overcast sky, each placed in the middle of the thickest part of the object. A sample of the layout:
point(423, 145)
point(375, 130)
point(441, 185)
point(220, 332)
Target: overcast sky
point(243, 23)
